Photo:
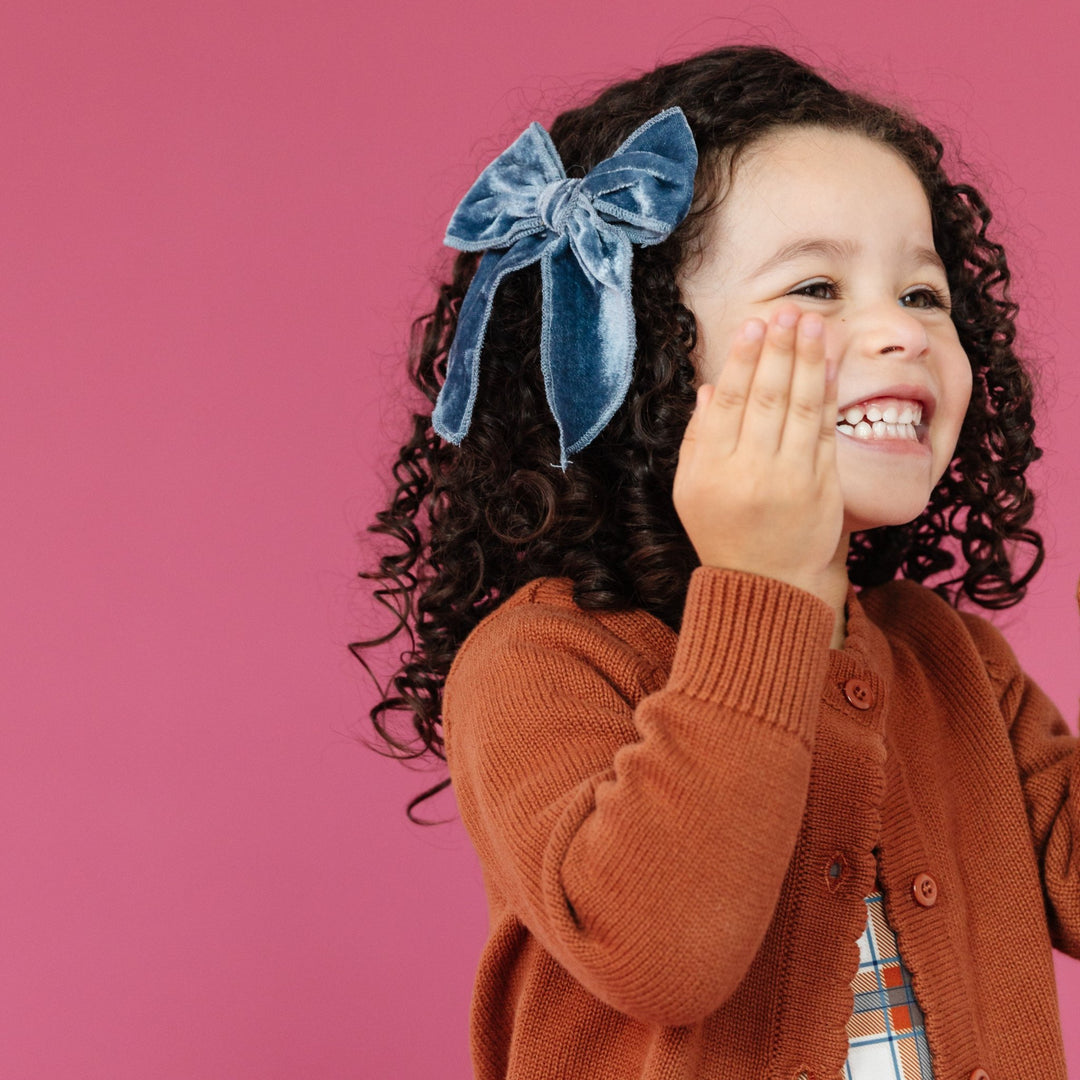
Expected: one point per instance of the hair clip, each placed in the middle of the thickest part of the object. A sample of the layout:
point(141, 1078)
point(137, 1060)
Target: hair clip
point(523, 209)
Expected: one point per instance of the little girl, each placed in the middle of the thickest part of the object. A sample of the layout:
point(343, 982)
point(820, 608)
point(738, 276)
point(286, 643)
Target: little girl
point(736, 347)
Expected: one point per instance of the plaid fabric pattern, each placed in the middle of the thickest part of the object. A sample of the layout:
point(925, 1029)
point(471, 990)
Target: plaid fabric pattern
point(886, 1033)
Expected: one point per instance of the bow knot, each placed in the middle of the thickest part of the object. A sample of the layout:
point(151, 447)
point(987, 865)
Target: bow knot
point(524, 209)
point(556, 202)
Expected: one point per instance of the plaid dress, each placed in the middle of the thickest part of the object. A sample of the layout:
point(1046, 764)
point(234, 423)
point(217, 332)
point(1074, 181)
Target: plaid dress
point(886, 1034)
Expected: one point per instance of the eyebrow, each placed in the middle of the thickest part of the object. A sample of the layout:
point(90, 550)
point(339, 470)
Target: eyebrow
point(836, 249)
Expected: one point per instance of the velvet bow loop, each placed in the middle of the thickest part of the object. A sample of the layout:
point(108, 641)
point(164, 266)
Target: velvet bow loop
point(522, 209)
point(503, 204)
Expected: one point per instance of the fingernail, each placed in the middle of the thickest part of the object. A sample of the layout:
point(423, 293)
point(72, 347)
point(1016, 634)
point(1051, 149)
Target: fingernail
point(787, 318)
point(812, 326)
point(754, 330)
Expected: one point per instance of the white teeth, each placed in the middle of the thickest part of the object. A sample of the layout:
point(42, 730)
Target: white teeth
point(878, 430)
point(908, 413)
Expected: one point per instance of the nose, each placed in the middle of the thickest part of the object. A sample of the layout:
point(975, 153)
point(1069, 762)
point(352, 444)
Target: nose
point(890, 329)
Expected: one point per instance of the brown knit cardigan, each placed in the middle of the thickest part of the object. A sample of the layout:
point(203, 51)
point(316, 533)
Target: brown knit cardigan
point(677, 833)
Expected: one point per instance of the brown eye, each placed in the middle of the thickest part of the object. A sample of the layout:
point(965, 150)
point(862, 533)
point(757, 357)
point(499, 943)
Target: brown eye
point(924, 297)
point(815, 290)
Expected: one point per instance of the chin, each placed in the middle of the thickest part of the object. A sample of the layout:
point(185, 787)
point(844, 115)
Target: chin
point(864, 518)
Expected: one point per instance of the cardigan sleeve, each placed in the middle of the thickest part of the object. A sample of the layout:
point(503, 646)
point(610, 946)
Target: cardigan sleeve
point(1048, 766)
point(642, 837)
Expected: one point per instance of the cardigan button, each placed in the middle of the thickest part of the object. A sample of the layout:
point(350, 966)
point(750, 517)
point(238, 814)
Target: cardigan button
point(979, 1074)
point(859, 694)
point(925, 889)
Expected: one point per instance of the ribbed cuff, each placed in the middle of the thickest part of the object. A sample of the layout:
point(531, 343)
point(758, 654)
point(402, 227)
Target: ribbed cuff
point(753, 644)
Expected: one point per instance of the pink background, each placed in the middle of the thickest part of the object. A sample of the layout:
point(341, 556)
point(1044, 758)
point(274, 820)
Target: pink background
point(216, 220)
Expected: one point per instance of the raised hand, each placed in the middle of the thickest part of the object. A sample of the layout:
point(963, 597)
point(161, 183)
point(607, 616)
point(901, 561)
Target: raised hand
point(756, 486)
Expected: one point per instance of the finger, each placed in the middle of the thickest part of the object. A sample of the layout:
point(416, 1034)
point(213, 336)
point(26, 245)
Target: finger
point(827, 432)
point(806, 401)
point(721, 419)
point(692, 432)
point(766, 405)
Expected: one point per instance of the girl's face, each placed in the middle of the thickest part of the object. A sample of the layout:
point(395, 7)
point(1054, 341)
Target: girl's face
point(839, 224)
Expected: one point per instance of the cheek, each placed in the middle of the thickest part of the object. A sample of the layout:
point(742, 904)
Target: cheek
point(713, 344)
point(960, 389)
point(835, 340)
point(706, 365)
point(955, 387)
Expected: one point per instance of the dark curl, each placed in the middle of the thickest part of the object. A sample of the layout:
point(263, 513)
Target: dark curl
point(474, 523)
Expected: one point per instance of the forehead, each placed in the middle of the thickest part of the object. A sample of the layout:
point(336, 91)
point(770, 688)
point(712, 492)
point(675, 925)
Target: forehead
point(812, 181)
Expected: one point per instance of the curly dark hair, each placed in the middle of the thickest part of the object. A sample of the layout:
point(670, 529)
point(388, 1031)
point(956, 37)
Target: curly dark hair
point(475, 522)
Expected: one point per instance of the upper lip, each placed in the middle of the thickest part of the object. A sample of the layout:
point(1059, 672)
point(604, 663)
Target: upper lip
point(906, 391)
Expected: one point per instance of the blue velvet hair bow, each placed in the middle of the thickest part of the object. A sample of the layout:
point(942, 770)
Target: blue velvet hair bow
point(523, 208)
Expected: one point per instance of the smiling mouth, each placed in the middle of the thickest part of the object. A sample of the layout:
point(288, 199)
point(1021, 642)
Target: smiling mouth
point(883, 419)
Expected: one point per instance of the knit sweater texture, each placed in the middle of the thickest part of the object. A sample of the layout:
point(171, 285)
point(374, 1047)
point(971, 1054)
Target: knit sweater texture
point(659, 818)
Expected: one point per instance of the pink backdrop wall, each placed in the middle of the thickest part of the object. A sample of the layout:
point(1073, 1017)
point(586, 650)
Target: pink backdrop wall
point(216, 219)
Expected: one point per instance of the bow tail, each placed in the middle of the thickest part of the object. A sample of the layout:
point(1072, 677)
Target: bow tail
point(453, 409)
point(592, 338)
